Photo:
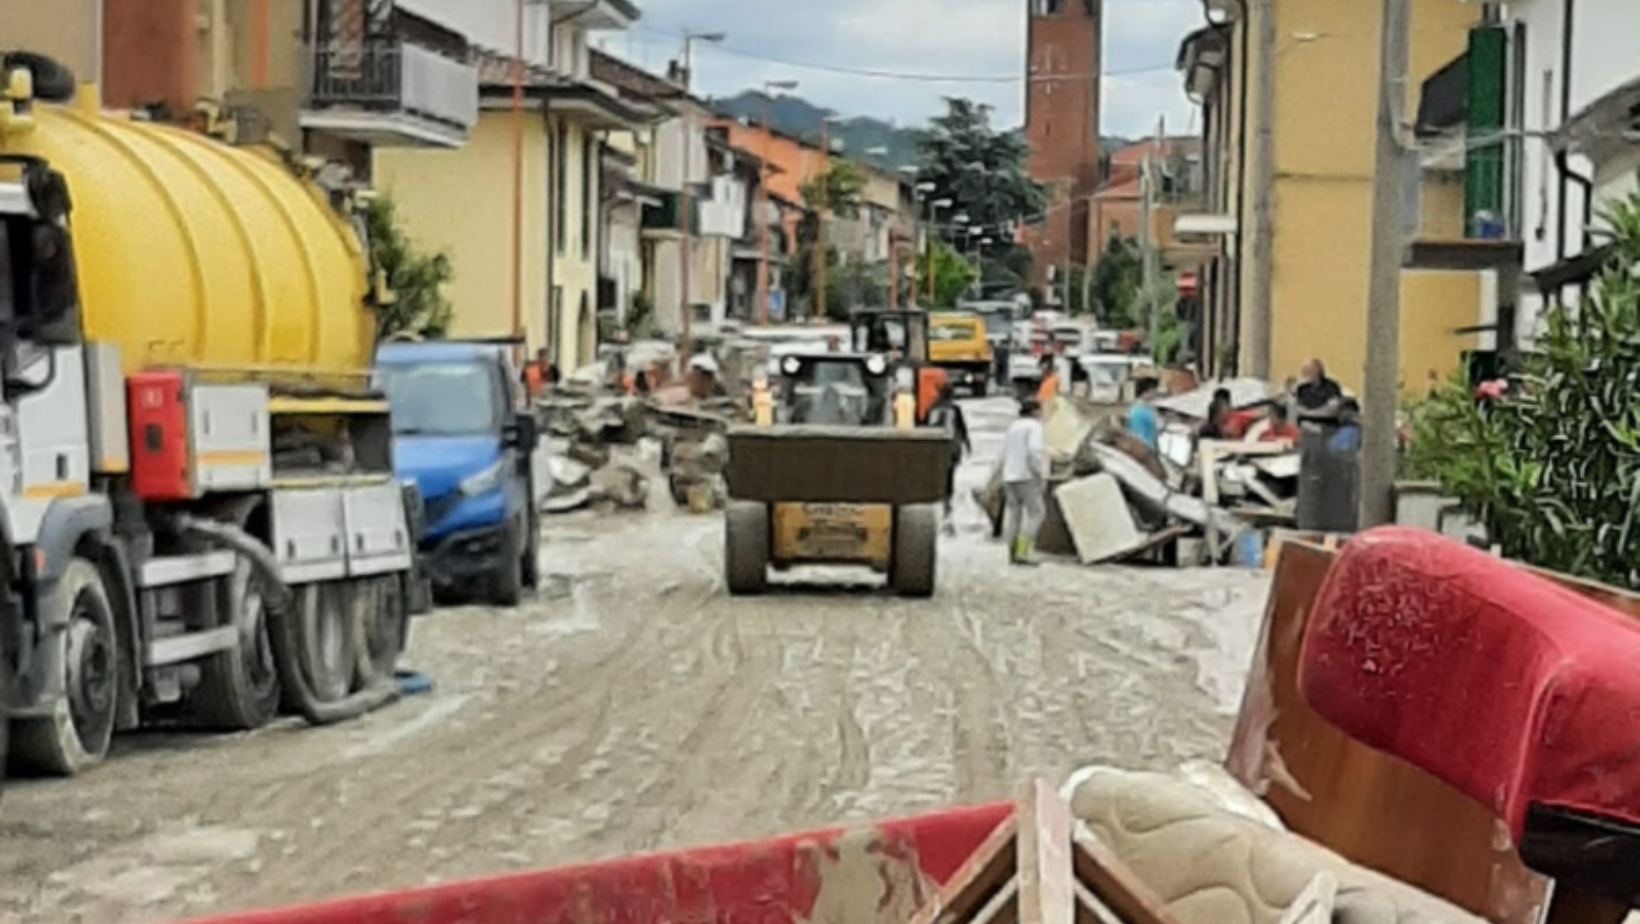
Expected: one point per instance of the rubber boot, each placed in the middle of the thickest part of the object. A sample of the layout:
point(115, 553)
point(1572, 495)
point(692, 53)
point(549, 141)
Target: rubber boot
point(1023, 555)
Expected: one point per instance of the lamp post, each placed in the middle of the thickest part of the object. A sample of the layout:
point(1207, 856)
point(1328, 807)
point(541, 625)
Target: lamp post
point(917, 193)
point(516, 281)
point(769, 86)
point(933, 223)
point(687, 199)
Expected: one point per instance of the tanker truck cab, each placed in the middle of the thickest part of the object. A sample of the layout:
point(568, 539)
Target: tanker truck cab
point(199, 516)
point(464, 436)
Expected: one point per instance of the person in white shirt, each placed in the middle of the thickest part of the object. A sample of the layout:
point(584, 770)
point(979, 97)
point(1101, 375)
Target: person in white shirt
point(1024, 481)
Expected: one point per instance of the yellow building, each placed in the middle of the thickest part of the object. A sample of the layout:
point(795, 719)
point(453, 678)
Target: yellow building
point(462, 202)
point(1323, 98)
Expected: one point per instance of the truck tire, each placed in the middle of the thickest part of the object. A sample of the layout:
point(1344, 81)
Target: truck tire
point(509, 576)
point(324, 641)
point(916, 550)
point(746, 548)
point(239, 690)
point(76, 737)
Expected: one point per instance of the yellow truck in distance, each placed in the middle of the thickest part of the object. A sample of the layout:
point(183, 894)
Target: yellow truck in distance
point(957, 344)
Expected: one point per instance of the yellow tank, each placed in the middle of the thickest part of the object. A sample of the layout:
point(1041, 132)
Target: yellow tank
point(197, 254)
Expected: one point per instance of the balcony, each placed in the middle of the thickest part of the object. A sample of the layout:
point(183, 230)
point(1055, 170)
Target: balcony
point(661, 221)
point(595, 15)
point(390, 93)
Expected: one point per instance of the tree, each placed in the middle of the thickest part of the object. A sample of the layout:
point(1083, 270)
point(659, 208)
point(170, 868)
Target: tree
point(953, 274)
point(1118, 284)
point(838, 191)
point(416, 279)
point(982, 171)
point(1548, 460)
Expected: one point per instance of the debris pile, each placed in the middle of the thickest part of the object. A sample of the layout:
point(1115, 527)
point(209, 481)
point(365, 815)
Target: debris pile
point(606, 443)
point(1114, 499)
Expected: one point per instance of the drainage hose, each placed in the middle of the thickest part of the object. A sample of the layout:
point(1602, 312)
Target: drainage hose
point(283, 634)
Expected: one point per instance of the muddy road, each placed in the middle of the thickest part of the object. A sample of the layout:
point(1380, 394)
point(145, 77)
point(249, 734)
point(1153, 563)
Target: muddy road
point(631, 706)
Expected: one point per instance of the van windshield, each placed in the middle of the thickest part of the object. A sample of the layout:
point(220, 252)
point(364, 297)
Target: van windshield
point(441, 399)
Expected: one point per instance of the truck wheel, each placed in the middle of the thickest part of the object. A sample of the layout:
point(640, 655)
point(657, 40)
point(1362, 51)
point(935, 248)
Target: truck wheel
point(325, 641)
point(916, 538)
point(76, 737)
point(389, 626)
point(239, 690)
point(746, 548)
point(509, 576)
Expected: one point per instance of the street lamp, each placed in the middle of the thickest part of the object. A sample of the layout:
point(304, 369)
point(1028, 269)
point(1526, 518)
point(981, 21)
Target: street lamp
point(687, 199)
point(769, 88)
point(933, 222)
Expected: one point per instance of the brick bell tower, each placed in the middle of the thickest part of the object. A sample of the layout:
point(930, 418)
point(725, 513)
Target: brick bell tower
point(1062, 65)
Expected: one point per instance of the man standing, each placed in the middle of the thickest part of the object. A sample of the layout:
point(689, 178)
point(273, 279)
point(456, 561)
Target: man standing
point(947, 414)
point(1141, 418)
point(1024, 482)
point(1318, 397)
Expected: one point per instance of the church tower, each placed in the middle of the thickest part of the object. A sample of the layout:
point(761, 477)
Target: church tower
point(1062, 65)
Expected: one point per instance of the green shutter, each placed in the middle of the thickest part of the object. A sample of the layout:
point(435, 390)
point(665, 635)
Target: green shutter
point(1486, 105)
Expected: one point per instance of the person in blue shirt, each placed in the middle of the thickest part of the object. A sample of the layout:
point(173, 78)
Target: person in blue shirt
point(1141, 417)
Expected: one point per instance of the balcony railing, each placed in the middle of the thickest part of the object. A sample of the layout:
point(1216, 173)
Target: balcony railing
point(390, 77)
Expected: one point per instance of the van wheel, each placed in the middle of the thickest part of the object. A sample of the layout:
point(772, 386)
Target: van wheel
point(239, 690)
point(746, 548)
point(916, 545)
point(77, 735)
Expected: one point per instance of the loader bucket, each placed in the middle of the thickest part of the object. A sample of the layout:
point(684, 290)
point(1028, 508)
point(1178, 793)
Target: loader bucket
point(837, 465)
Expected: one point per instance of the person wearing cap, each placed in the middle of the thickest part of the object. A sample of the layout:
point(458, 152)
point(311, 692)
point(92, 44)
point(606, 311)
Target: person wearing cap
point(1024, 481)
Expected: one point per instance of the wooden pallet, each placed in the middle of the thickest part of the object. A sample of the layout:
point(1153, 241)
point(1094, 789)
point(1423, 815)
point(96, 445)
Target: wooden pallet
point(1036, 868)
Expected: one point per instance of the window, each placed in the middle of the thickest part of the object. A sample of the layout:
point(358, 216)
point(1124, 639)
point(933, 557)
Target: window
point(442, 399)
point(1047, 7)
point(589, 165)
point(561, 187)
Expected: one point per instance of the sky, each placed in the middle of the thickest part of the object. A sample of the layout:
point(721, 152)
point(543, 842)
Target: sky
point(980, 39)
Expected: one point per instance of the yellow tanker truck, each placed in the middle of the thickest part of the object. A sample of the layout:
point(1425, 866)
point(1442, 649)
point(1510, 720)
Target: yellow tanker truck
point(196, 481)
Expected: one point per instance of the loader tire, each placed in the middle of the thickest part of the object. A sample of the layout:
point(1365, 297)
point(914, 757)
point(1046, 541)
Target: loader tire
point(239, 690)
point(916, 550)
point(77, 735)
point(746, 548)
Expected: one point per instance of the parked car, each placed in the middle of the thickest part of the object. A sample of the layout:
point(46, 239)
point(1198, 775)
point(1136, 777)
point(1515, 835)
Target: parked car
point(464, 434)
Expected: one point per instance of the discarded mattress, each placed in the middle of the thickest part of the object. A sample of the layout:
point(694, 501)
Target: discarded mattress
point(1211, 860)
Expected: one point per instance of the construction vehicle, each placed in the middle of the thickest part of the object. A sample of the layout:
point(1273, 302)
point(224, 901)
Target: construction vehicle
point(901, 337)
point(200, 509)
point(837, 474)
point(957, 343)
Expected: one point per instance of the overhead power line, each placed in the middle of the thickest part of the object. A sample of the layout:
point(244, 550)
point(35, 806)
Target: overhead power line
point(912, 76)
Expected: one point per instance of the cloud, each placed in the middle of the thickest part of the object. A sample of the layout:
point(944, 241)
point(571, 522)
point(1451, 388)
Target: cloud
point(812, 40)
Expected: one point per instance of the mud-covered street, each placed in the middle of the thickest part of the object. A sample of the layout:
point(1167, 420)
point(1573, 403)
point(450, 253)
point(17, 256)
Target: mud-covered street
point(632, 706)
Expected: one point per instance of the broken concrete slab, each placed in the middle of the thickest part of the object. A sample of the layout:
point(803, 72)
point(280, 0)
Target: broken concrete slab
point(1097, 515)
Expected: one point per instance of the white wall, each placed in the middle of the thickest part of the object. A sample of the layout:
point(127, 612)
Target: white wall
point(725, 214)
point(491, 24)
point(1603, 58)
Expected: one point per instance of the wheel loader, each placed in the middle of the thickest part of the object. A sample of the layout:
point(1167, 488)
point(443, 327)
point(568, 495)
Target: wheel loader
point(836, 472)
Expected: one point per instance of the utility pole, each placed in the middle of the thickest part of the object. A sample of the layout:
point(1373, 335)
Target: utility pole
point(687, 199)
point(1261, 313)
point(516, 279)
point(821, 208)
point(1383, 341)
point(769, 86)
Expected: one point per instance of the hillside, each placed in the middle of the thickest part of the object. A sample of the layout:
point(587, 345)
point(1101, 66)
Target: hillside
point(797, 116)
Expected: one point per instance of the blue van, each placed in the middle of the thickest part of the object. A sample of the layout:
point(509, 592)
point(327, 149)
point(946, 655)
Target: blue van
point(464, 434)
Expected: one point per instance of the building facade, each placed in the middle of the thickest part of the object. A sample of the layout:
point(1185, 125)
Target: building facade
point(1063, 62)
point(1316, 189)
